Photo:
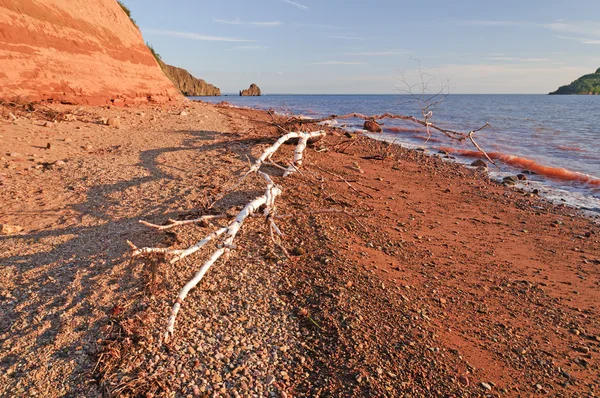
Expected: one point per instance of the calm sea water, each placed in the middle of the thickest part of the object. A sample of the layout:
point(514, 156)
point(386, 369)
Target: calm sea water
point(556, 136)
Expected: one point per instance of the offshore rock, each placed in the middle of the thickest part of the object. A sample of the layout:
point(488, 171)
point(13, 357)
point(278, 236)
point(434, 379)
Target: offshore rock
point(252, 91)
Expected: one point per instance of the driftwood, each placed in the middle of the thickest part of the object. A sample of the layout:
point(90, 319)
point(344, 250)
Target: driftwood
point(451, 134)
point(229, 232)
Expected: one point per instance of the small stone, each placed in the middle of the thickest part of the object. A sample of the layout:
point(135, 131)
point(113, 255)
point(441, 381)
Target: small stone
point(539, 386)
point(583, 350)
point(297, 251)
point(59, 163)
point(485, 386)
point(270, 379)
point(114, 122)
point(372, 126)
point(575, 332)
point(510, 179)
point(48, 124)
point(183, 113)
point(348, 134)
point(6, 229)
point(14, 154)
point(443, 300)
point(479, 163)
point(48, 146)
point(88, 147)
point(464, 380)
point(521, 177)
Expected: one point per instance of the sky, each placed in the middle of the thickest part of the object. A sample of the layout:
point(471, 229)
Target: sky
point(376, 46)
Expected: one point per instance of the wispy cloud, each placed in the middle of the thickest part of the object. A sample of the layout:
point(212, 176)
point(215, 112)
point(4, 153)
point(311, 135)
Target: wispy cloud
point(346, 37)
point(247, 48)
point(583, 28)
point(582, 40)
point(490, 23)
point(238, 21)
point(376, 53)
point(518, 59)
point(297, 5)
point(338, 63)
point(194, 36)
point(320, 26)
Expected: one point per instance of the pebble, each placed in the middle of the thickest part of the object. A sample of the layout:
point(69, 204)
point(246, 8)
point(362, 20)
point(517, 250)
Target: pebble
point(59, 163)
point(183, 113)
point(485, 386)
point(6, 229)
point(114, 122)
point(464, 380)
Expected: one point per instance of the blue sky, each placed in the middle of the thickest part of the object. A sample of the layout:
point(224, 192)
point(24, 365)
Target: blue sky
point(360, 46)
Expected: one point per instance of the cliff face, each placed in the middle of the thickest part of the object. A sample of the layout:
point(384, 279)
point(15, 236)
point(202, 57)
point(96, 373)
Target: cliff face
point(78, 51)
point(188, 84)
point(252, 91)
point(587, 84)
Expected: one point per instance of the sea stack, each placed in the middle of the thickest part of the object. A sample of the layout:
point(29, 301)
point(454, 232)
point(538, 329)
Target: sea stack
point(252, 91)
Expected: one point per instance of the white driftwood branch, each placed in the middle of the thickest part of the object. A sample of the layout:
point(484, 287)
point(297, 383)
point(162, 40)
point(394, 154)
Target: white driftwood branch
point(266, 155)
point(176, 223)
point(231, 231)
point(299, 151)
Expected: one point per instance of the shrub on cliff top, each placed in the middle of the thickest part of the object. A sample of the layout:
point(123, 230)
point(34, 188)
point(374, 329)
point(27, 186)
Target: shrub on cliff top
point(153, 51)
point(128, 12)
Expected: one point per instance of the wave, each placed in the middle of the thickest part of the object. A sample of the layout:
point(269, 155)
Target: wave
point(569, 148)
point(529, 164)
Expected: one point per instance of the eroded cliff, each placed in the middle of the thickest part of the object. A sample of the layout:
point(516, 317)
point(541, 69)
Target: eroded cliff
point(77, 51)
point(188, 84)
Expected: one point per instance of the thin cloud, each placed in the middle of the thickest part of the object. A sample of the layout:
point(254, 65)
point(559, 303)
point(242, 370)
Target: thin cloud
point(579, 28)
point(490, 23)
point(320, 26)
point(346, 37)
point(376, 53)
point(238, 21)
point(247, 48)
point(297, 5)
point(582, 40)
point(338, 63)
point(194, 36)
point(518, 59)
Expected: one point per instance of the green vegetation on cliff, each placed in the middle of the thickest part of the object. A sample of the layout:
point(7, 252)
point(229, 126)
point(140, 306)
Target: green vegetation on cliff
point(588, 84)
point(183, 80)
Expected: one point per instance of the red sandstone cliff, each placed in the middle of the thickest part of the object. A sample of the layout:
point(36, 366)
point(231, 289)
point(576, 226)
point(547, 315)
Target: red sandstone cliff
point(188, 84)
point(79, 51)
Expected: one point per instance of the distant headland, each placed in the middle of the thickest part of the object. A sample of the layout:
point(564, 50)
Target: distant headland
point(587, 84)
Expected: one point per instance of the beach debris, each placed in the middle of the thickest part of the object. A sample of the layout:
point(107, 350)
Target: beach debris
point(7, 229)
point(183, 113)
point(427, 115)
point(372, 126)
point(114, 122)
point(227, 234)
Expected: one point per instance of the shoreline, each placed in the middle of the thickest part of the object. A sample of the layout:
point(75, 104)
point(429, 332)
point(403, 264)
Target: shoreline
point(436, 280)
point(552, 182)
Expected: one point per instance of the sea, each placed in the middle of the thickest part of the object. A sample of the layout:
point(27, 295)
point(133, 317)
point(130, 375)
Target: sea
point(557, 138)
